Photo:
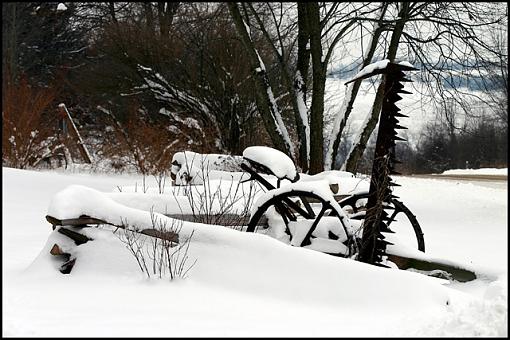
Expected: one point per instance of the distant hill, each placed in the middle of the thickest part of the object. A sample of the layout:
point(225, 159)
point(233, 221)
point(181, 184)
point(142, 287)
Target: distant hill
point(472, 80)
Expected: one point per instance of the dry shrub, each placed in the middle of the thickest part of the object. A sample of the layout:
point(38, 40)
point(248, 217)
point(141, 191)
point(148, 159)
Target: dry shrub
point(145, 144)
point(158, 256)
point(28, 123)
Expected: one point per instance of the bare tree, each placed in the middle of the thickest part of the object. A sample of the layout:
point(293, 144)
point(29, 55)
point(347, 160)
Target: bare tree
point(339, 124)
point(320, 28)
point(264, 94)
point(439, 38)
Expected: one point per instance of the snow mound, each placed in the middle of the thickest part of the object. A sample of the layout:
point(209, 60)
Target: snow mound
point(259, 265)
point(276, 161)
point(77, 200)
point(486, 316)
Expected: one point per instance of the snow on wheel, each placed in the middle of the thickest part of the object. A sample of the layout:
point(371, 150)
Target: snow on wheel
point(305, 218)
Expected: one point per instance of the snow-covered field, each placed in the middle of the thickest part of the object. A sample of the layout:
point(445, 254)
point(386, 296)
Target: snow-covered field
point(246, 284)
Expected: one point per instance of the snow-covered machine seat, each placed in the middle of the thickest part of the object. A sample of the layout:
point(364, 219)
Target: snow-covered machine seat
point(271, 161)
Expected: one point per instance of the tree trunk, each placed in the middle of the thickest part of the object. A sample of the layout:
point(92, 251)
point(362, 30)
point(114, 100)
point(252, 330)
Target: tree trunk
point(111, 9)
point(318, 85)
point(356, 153)
point(263, 93)
point(163, 25)
point(303, 52)
point(149, 17)
point(234, 131)
point(166, 14)
point(301, 82)
point(297, 101)
point(352, 161)
point(9, 40)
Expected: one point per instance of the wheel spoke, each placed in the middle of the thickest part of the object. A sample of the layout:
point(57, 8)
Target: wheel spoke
point(306, 240)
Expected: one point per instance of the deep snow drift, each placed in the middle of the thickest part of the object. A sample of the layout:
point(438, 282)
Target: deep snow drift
point(247, 284)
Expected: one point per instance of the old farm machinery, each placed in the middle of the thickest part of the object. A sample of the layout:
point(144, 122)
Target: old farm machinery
point(304, 212)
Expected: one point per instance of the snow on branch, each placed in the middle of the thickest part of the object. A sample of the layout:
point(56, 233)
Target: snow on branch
point(165, 92)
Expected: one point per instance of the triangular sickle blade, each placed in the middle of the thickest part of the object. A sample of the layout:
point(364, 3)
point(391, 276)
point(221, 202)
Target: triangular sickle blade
point(400, 74)
point(384, 243)
point(393, 120)
point(404, 67)
point(385, 220)
point(381, 265)
point(395, 97)
point(398, 114)
point(392, 106)
point(399, 138)
point(379, 253)
point(387, 230)
point(389, 207)
point(404, 92)
point(400, 127)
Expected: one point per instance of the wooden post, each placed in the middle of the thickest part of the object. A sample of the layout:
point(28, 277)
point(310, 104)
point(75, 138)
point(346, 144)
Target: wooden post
point(71, 128)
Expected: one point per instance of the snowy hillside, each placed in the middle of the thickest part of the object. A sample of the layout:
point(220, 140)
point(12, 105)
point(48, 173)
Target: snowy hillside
point(246, 284)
